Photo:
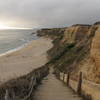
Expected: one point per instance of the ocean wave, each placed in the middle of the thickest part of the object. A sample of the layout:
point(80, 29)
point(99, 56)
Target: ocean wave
point(15, 49)
point(20, 40)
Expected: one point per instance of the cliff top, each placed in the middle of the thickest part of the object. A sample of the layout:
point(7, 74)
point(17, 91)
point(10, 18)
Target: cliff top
point(97, 23)
point(81, 25)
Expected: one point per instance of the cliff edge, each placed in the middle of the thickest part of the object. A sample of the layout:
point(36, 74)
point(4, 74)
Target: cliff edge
point(76, 48)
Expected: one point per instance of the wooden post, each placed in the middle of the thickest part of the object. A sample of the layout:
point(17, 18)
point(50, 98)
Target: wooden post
point(68, 77)
point(13, 94)
point(79, 87)
point(7, 97)
point(31, 82)
point(38, 77)
point(57, 73)
point(63, 77)
point(10, 95)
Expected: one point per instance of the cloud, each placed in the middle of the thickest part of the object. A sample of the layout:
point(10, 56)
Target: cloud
point(48, 13)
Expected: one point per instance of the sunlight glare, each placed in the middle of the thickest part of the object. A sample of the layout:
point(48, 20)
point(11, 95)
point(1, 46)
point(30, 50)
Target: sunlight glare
point(4, 26)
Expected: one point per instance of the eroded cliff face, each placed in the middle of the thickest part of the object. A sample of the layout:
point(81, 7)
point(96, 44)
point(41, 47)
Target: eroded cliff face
point(95, 49)
point(76, 33)
point(77, 48)
point(95, 54)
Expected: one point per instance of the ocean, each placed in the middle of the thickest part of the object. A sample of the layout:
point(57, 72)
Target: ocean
point(12, 40)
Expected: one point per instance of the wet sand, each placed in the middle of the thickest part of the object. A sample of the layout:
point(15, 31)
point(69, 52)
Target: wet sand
point(23, 61)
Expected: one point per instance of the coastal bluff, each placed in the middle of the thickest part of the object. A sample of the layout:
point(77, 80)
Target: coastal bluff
point(76, 48)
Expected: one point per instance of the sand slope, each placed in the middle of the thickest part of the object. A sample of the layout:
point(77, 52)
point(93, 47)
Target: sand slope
point(24, 60)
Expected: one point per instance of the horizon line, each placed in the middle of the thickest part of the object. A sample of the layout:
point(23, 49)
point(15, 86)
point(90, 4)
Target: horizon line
point(8, 28)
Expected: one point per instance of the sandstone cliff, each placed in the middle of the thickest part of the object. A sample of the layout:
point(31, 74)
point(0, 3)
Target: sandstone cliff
point(76, 49)
point(52, 33)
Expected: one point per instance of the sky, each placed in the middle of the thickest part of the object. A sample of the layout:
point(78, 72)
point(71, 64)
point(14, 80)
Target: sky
point(48, 13)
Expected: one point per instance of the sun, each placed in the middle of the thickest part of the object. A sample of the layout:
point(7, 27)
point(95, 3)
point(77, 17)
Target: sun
point(7, 26)
point(4, 26)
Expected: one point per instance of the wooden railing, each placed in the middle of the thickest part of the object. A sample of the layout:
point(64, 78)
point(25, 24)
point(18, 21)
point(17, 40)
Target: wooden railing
point(37, 76)
point(74, 84)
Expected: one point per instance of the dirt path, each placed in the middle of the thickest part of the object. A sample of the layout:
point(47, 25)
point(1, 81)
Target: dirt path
point(53, 89)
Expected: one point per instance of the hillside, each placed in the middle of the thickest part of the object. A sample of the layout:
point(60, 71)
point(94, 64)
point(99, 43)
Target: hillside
point(76, 48)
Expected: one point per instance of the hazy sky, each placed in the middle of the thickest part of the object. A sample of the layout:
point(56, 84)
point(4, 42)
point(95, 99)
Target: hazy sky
point(48, 13)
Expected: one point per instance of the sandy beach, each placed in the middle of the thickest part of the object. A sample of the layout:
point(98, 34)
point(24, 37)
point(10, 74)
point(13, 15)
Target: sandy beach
point(23, 61)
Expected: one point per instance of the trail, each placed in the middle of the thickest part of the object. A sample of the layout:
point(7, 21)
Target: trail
point(53, 89)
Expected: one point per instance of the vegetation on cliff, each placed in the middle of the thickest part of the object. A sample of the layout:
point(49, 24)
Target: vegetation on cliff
point(72, 49)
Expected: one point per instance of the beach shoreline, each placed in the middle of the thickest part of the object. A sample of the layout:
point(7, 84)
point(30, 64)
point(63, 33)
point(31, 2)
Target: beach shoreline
point(24, 60)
